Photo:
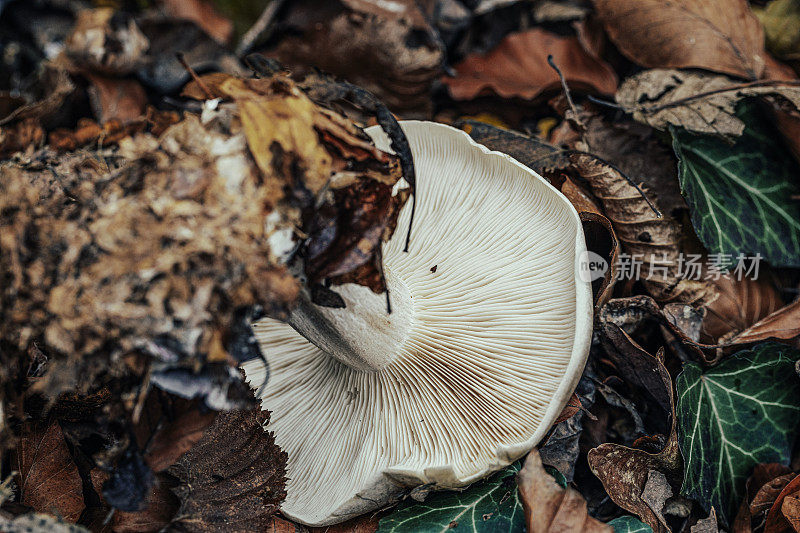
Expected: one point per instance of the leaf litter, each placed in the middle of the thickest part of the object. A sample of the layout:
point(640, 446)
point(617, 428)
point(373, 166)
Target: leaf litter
point(160, 190)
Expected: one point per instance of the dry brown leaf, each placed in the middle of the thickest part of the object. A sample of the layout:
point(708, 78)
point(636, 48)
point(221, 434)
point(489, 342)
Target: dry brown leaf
point(277, 524)
point(232, 479)
point(161, 507)
point(114, 98)
point(49, 481)
point(550, 508)
point(642, 233)
point(741, 303)
point(718, 35)
point(597, 230)
point(761, 489)
point(176, 437)
point(634, 479)
point(204, 14)
point(363, 524)
point(518, 68)
point(777, 521)
point(572, 408)
point(697, 101)
point(783, 324)
point(388, 49)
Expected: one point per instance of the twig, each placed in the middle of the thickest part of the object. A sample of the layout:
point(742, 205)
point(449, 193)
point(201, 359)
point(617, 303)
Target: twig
point(565, 87)
point(195, 77)
point(261, 24)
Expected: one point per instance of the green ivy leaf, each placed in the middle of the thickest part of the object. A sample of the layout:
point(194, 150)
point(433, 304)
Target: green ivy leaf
point(742, 412)
point(489, 506)
point(629, 524)
point(741, 195)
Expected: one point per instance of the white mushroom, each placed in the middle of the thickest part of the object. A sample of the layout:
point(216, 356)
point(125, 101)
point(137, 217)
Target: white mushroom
point(488, 335)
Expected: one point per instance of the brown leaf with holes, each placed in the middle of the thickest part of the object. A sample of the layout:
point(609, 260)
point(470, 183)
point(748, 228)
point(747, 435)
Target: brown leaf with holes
point(697, 101)
point(232, 479)
point(550, 508)
point(718, 35)
point(48, 481)
point(518, 68)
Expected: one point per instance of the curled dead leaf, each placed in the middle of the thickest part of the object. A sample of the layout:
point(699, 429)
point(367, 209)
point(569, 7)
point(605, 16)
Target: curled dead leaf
point(650, 236)
point(634, 479)
point(783, 324)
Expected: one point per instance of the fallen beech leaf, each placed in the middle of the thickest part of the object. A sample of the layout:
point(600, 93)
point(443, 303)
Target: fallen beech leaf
point(114, 98)
point(571, 409)
point(777, 521)
point(518, 68)
point(233, 478)
point(696, 101)
point(791, 510)
point(783, 324)
point(761, 489)
point(550, 507)
point(48, 477)
point(204, 14)
point(388, 49)
point(161, 506)
point(89, 131)
point(176, 437)
point(636, 150)
point(741, 304)
point(725, 35)
point(277, 524)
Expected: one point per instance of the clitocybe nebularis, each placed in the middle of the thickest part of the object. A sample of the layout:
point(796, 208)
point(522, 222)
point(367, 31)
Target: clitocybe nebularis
point(488, 335)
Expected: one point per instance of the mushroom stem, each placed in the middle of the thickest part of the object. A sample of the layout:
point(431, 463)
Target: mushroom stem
point(362, 335)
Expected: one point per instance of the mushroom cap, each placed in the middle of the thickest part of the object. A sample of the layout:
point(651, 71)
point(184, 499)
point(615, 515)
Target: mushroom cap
point(494, 340)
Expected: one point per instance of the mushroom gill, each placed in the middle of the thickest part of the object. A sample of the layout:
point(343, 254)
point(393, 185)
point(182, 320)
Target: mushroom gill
point(488, 336)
